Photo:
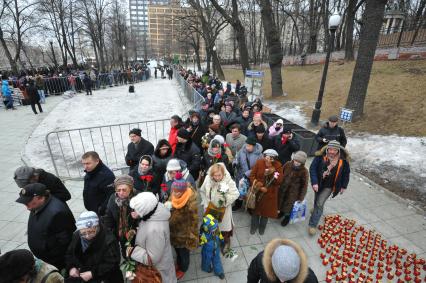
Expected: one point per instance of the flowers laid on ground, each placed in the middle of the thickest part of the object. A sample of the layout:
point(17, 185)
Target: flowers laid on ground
point(356, 254)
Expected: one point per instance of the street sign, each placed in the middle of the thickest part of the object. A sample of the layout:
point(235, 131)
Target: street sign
point(254, 74)
point(346, 114)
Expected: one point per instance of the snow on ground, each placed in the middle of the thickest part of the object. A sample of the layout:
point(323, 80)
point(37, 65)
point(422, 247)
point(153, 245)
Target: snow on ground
point(152, 100)
point(289, 110)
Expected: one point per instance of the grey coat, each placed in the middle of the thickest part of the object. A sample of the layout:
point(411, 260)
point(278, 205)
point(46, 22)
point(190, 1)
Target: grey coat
point(235, 144)
point(153, 239)
point(244, 167)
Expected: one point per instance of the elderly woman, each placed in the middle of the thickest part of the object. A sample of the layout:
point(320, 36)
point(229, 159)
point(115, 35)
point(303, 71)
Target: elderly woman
point(265, 177)
point(183, 222)
point(145, 179)
point(218, 192)
point(152, 245)
point(94, 254)
point(174, 166)
point(117, 216)
point(214, 154)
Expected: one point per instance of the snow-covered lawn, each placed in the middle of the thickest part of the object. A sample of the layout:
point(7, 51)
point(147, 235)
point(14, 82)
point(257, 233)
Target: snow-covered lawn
point(153, 100)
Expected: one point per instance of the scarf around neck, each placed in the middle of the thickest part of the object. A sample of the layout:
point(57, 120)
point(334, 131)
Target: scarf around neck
point(178, 203)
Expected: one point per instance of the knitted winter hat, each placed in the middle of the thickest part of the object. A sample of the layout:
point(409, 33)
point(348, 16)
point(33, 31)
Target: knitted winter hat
point(334, 144)
point(124, 180)
point(87, 219)
point(143, 203)
point(173, 165)
point(179, 184)
point(184, 134)
point(15, 264)
point(271, 152)
point(251, 140)
point(219, 138)
point(300, 156)
point(285, 263)
point(135, 131)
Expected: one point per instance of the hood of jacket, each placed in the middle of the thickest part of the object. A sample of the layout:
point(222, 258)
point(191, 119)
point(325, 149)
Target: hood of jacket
point(159, 145)
point(267, 260)
point(257, 150)
point(160, 214)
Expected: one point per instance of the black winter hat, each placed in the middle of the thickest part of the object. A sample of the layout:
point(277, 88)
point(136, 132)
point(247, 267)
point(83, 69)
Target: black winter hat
point(184, 134)
point(15, 264)
point(136, 131)
point(251, 140)
point(260, 129)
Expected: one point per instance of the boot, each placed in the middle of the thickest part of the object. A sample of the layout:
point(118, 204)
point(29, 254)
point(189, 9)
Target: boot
point(280, 214)
point(262, 225)
point(285, 220)
point(238, 204)
point(254, 224)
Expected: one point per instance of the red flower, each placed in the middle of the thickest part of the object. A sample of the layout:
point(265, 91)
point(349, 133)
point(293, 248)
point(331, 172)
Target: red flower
point(226, 145)
point(163, 187)
point(147, 178)
point(218, 156)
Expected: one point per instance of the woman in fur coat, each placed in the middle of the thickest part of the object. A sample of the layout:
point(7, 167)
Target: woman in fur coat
point(282, 261)
point(183, 222)
point(294, 185)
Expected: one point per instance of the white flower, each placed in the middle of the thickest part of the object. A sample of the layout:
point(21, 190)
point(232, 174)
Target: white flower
point(223, 189)
point(168, 205)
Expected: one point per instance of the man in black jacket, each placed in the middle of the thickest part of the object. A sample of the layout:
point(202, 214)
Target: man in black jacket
point(331, 132)
point(34, 97)
point(98, 183)
point(285, 144)
point(50, 225)
point(188, 151)
point(25, 175)
point(138, 147)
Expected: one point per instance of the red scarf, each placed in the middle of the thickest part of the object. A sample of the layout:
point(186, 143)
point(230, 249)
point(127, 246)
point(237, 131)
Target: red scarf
point(284, 139)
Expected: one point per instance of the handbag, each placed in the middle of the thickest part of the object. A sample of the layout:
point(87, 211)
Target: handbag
point(216, 212)
point(251, 196)
point(147, 273)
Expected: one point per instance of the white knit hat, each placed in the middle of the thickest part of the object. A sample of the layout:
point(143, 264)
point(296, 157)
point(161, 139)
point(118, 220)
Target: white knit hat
point(173, 165)
point(285, 263)
point(143, 203)
point(87, 219)
point(220, 139)
point(271, 152)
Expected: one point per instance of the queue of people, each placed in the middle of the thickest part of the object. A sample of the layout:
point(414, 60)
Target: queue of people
point(219, 156)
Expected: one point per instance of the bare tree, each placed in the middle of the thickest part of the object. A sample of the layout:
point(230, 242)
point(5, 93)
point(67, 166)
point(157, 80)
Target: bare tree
point(370, 31)
point(274, 46)
point(232, 17)
point(17, 18)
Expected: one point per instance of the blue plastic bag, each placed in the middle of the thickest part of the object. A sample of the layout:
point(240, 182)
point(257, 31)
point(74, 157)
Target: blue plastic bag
point(243, 186)
point(298, 213)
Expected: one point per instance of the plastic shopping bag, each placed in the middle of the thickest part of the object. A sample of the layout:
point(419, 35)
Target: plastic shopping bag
point(243, 186)
point(298, 212)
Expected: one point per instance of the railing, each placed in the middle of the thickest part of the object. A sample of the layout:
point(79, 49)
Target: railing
point(67, 146)
point(190, 93)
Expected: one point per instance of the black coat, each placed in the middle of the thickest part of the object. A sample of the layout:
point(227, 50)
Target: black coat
point(286, 150)
point(337, 134)
point(141, 184)
point(50, 230)
point(265, 142)
point(159, 163)
point(256, 273)
point(102, 258)
point(98, 187)
point(197, 132)
point(244, 122)
point(135, 152)
point(53, 184)
point(33, 94)
point(190, 153)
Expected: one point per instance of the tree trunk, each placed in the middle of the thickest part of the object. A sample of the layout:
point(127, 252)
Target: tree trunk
point(349, 41)
point(312, 45)
point(373, 20)
point(13, 64)
point(274, 47)
point(218, 66)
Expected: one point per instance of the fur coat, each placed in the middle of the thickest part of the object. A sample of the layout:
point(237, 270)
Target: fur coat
point(184, 224)
point(293, 187)
point(267, 203)
point(261, 270)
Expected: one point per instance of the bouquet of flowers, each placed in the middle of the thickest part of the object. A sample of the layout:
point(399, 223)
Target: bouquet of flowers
point(129, 265)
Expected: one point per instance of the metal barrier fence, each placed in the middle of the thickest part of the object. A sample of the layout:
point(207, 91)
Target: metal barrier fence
point(191, 93)
point(67, 146)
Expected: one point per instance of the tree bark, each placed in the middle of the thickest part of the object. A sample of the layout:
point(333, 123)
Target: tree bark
point(349, 41)
point(274, 47)
point(12, 62)
point(370, 31)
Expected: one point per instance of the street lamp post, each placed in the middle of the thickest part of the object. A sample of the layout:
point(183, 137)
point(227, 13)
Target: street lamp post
point(124, 55)
point(333, 24)
point(214, 61)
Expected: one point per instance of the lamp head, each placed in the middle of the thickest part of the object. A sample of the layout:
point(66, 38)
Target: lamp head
point(334, 21)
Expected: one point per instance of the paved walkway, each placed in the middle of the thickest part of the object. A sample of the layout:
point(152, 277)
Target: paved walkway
point(364, 202)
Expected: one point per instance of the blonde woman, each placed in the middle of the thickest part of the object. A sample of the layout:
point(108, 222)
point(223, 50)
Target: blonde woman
point(218, 192)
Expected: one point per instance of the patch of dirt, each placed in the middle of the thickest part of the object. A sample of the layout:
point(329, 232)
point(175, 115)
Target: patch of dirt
point(395, 103)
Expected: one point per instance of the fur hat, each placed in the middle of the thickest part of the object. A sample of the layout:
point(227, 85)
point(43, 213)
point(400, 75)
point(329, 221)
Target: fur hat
point(143, 203)
point(124, 180)
point(271, 152)
point(300, 156)
point(135, 131)
point(285, 263)
point(173, 165)
point(87, 219)
point(15, 264)
point(184, 134)
point(179, 184)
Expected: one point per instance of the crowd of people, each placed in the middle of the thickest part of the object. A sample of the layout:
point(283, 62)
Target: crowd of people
point(224, 156)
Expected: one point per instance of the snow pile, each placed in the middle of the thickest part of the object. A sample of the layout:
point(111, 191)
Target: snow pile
point(289, 110)
point(152, 100)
